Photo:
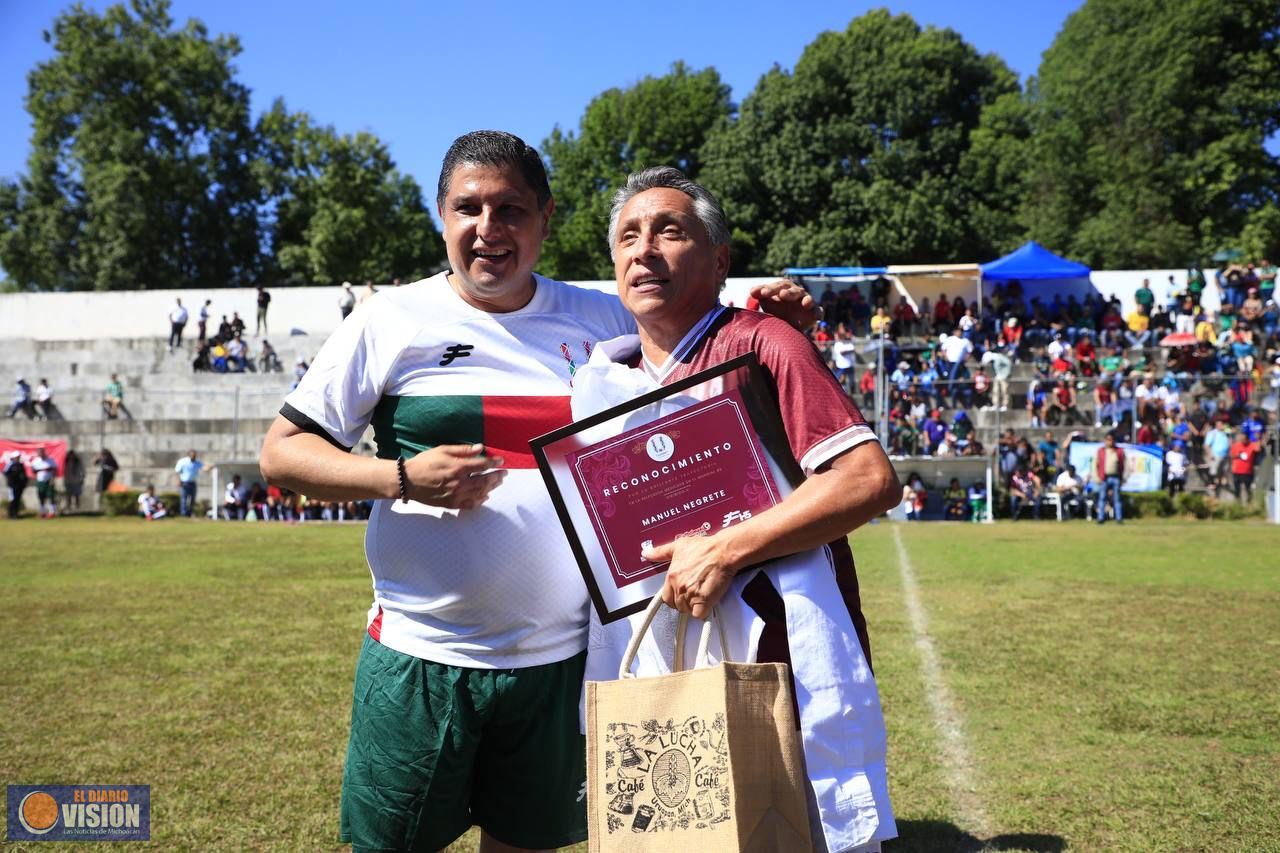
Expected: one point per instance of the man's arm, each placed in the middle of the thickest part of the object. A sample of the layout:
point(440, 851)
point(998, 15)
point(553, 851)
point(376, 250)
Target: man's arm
point(450, 476)
point(852, 489)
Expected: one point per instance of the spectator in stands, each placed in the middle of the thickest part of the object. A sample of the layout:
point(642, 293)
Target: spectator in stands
point(915, 497)
point(15, 478)
point(238, 355)
point(264, 300)
point(107, 468)
point(843, 350)
point(1244, 454)
point(942, 319)
point(1001, 367)
point(933, 432)
point(1070, 489)
point(1175, 467)
point(954, 501)
point(904, 318)
point(203, 359)
point(235, 499)
point(1109, 470)
point(44, 407)
point(1024, 489)
point(955, 352)
point(21, 399)
point(237, 325)
point(977, 501)
point(1011, 338)
point(202, 324)
point(219, 358)
point(367, 293)
point(257, 502)
point(268, 360)
point(1037, 402)
point(346, 300)
point(45, 470)
point(224, 329)
point(300, 370)
point(73, 479)
point(151, 507)
point(982, 389)
point(113, 397)
point(177, 322)
point(188, 470)
point(1064, 408)
point(1139, 323)
point(881, 323)
point(1104, 402)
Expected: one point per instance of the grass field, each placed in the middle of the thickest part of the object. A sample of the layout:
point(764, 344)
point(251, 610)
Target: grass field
point(1117, 688)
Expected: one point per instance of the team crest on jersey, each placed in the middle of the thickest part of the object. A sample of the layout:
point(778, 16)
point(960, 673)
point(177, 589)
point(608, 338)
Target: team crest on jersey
point(569, 357)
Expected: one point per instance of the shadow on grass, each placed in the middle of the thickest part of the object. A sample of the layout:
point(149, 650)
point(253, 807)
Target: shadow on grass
point(928, 836)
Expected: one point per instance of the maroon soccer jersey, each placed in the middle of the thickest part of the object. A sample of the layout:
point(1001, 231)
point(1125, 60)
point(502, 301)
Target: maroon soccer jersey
point(820, 421)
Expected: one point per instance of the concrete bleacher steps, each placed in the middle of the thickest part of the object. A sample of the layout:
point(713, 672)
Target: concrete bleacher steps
point(222, 416)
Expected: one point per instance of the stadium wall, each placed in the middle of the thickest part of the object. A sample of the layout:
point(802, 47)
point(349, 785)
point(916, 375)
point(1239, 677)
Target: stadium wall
point(145, 313)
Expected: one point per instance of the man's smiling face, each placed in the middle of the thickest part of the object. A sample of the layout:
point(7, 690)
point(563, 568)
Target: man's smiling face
point(493, 233)
point(665, 266)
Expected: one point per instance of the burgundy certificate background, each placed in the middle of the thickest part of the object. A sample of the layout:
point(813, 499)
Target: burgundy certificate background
point(727, 486)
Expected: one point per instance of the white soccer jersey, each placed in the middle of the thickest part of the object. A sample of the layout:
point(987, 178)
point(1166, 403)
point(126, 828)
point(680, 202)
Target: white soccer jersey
point(493, 587)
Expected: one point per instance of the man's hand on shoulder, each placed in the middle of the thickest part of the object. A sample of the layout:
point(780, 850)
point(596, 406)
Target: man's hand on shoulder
point(453, 476)
point(787, 301)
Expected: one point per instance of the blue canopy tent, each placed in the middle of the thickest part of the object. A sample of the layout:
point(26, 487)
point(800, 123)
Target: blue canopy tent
point(1032, 262)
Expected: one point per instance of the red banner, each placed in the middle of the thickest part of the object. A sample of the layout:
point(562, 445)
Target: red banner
point(56, 448)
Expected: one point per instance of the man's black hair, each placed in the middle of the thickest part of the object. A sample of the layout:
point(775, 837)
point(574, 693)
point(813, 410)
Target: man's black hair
point(499, 149)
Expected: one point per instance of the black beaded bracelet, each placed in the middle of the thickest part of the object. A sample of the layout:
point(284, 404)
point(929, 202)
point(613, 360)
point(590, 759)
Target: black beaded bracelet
point(404, 490)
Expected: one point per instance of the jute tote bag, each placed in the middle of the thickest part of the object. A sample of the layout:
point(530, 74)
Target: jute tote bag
point(708, 759)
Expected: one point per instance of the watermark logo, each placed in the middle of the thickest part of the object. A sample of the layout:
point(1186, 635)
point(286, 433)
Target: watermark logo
point(79, 812)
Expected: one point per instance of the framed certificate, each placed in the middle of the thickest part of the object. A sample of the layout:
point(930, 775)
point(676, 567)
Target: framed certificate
point(685, 460)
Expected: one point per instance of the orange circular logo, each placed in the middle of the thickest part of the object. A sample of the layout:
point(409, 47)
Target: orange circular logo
point(38, 812)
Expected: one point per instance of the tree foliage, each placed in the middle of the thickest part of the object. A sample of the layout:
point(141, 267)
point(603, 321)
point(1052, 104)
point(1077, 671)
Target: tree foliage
point(1150, 123)
point(338, 208)
point(146, 171)
point(856, 155)
point(139, 173)
point(660, 121)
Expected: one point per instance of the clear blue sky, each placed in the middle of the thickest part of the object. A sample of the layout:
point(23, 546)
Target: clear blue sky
point(419, 74)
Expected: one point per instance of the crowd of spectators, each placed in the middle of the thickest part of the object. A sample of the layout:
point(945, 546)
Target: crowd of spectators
point(1089, 365)
point(242, 502)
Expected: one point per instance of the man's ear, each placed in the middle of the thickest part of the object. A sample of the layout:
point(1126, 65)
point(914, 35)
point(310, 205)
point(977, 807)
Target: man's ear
point(722, 263)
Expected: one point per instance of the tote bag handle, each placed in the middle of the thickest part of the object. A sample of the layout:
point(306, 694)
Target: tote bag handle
point(704, 639)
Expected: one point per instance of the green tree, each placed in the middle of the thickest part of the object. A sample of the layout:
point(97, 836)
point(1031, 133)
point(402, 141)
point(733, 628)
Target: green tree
point(856, 155)
point(139, 172)
point(337, 208)
point(660, 121)
point(1150, 120)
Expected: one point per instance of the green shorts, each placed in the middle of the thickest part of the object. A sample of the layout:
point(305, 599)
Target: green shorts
point(44, 490)
point(435, 749)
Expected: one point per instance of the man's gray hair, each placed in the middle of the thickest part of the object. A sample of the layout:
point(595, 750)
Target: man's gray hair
point(705, 205)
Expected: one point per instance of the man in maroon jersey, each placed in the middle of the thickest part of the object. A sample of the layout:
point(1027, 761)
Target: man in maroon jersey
point(671, 255)
point(670, 245)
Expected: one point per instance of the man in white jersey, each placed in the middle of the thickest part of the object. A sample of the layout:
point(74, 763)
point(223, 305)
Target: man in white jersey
point(465, 705)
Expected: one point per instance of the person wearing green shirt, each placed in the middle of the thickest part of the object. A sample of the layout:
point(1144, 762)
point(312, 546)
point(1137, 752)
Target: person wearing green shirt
point(1266, 280)
point(1195, 284)
point(1144, 297)
point(113, 399)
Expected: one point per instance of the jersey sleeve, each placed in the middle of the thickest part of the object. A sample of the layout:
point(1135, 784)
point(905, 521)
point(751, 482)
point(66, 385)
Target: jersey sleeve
point(821, 420)
point(336, 397)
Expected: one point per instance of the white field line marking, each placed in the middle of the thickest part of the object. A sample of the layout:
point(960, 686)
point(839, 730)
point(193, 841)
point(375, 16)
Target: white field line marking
point(959, 768)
